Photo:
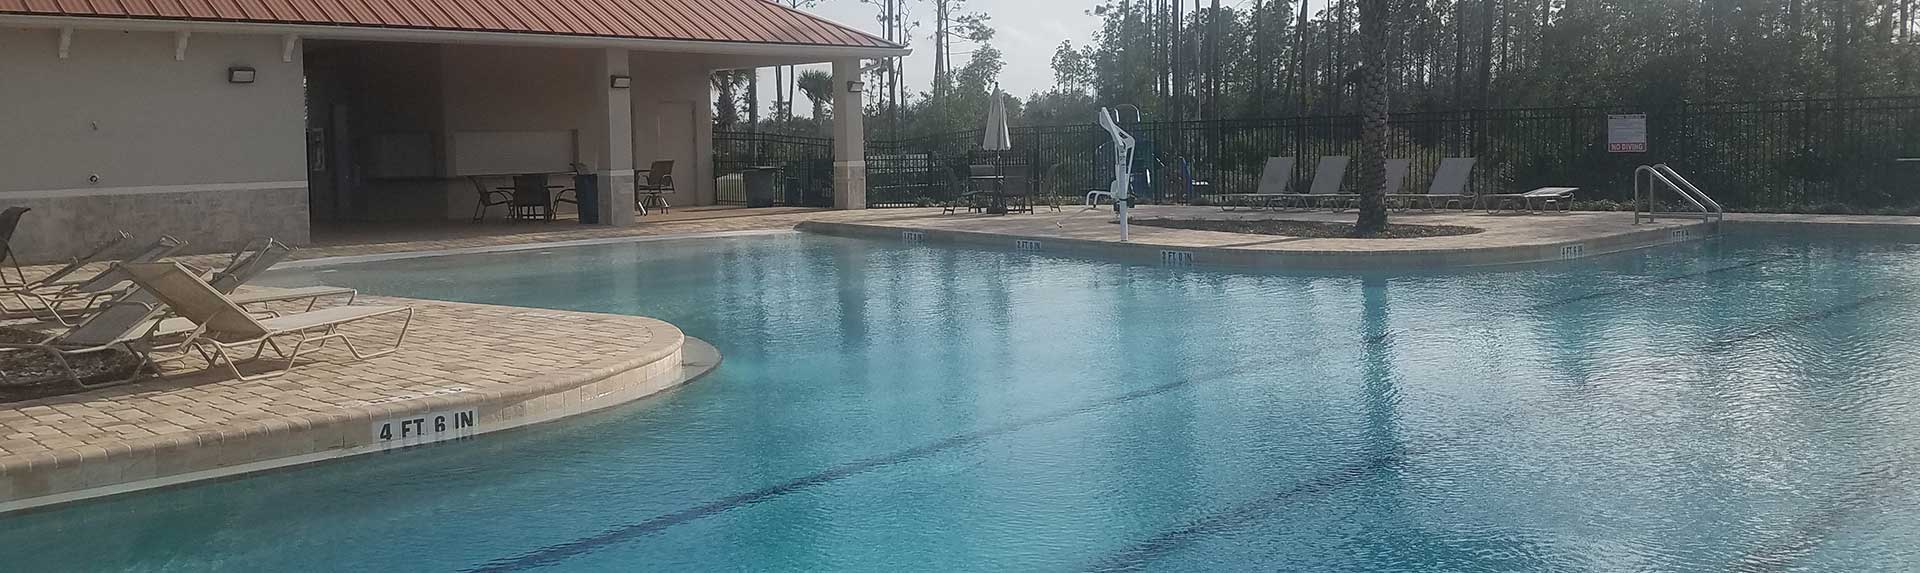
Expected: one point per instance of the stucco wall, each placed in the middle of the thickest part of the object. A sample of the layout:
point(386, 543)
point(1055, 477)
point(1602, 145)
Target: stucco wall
point(177, 150)
point(670, 89)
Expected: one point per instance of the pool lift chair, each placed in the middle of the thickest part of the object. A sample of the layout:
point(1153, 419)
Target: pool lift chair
point(1120, 190)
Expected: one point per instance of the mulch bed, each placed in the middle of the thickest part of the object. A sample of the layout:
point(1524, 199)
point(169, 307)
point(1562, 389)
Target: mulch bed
point(34, 374)
point(1307, 229)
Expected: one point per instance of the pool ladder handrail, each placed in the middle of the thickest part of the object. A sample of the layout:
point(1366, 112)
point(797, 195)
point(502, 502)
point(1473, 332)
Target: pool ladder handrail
point(1708, 209)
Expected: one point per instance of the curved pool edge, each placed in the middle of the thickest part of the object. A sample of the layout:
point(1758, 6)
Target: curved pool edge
point(1527, 252)
point(672, 360)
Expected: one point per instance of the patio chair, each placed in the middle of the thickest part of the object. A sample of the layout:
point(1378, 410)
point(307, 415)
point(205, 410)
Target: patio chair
point(488, 197)
point(224, 329)
point(569, 195)
point(1450, 182)
point(532, 198)
point(1275, 177)
point(1018, 188)
point(651, 186)
point(1327, 180)
point(10, 220)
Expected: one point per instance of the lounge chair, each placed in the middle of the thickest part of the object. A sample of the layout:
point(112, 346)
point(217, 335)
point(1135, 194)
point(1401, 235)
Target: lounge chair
point(135, 322)
point(1397, 170)
point(1275, 177)
point(1547, 199)
point(64, 301)
point(10, 220)
point(1449, 184)
point(1327, 180)
point(58, 278)
point(651, 186)
point(224, 329)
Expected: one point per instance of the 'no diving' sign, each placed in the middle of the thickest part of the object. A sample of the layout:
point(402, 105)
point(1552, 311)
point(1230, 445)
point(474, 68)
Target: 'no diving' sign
point(1627, 133)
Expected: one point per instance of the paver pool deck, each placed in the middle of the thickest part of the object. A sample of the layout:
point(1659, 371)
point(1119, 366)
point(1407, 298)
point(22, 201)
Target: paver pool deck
point(519, 366)
point(512, 366)
point(1505, 239)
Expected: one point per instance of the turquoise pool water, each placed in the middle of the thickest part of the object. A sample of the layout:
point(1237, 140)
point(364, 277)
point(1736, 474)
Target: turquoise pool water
point(1747, 403)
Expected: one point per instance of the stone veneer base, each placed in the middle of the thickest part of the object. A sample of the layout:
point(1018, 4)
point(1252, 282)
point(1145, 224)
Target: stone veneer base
point(291, 441)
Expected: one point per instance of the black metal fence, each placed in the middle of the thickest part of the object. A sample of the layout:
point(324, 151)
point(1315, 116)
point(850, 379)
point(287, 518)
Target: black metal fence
point(1812, 155)
point(803, 167)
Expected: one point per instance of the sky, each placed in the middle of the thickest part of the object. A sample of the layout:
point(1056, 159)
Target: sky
point(1027, 31)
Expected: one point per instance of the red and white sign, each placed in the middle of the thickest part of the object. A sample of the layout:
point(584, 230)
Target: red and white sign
point(1627, 133)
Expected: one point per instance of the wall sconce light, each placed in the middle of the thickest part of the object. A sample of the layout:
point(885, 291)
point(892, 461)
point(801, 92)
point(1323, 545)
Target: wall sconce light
point(622, 82)
point(856, 86)
point(240, 75)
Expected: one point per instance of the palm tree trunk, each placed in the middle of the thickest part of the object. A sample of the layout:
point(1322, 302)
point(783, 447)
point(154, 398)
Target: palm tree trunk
point(1373, 118)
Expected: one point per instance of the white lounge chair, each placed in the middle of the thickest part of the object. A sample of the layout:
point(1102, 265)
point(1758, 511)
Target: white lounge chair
point(224, 329)
point(1544, 199)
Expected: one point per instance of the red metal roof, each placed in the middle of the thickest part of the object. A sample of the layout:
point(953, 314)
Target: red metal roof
point(753, 21)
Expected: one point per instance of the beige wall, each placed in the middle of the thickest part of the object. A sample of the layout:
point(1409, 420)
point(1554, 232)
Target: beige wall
point(156, 131)
point(671, 97)
point(179, 150)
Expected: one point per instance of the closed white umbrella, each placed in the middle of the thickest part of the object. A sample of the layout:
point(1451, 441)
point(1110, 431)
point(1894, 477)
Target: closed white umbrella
point(997, 138)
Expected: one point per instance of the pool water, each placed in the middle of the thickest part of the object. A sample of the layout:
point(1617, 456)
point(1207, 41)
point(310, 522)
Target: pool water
point(1745, 403)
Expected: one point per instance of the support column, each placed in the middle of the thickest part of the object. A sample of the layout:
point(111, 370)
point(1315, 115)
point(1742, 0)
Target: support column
point(613, 143)
point(849, 138)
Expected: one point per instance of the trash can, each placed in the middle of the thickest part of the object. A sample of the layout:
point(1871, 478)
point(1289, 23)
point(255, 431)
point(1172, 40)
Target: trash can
point(760, 185)
point(795, 192)
point(586, 190)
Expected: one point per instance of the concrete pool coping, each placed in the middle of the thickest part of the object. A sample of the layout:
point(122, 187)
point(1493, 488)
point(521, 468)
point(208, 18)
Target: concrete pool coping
point(104, 466)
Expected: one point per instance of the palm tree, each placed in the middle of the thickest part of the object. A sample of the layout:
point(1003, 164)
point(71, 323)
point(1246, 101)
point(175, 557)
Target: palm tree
point(1373, 118)
point(818, 86)
point(727, 105)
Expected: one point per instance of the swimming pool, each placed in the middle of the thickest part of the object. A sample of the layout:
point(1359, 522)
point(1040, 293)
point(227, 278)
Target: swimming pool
point(1745, 403)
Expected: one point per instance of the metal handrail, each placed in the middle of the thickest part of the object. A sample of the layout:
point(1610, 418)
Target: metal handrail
point(1653, 173)
point(1718, 211)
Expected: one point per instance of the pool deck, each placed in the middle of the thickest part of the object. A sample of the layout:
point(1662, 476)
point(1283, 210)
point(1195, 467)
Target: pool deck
point(510, 366)
point(1505, 238)
point(517, 366)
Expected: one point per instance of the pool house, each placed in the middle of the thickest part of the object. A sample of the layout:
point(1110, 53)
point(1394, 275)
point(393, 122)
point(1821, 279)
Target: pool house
point(217, 122)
